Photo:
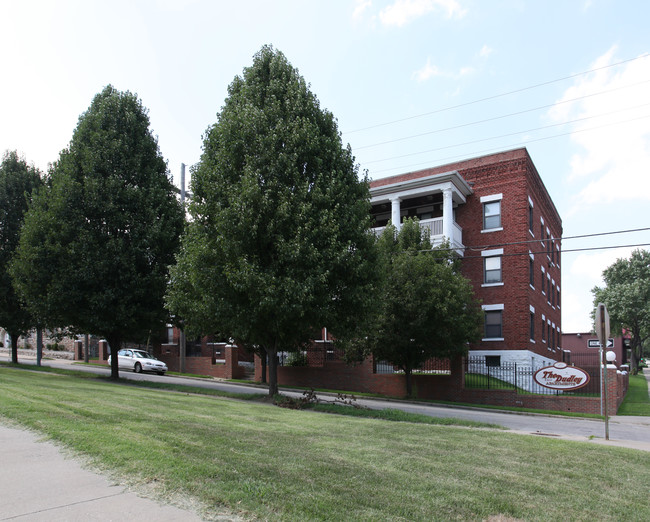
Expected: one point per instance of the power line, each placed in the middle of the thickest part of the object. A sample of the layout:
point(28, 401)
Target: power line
point(560, 239)
point(512, 134)
point(586, 249)
point(551, 240)
point(497, 95)
point(503, 116)
point(506, 147)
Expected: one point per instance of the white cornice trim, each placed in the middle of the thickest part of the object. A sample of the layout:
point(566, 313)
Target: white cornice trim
point(432, 183)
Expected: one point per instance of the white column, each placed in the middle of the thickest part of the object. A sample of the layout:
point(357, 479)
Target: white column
point(395, 213)
point(447, 215)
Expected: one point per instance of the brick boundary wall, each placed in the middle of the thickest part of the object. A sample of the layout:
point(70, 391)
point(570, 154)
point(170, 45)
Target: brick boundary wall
point(203, 365)
point(360, 378)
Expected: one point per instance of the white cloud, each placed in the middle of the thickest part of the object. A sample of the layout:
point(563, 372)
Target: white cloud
point(606, 186)
point(485, 51)
point(592, 265)
point(614, 143)
point(402, 12)
point(430, 70)
point(360, 8)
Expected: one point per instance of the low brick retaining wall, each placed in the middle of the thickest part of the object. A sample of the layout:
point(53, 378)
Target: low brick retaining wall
point(360, 378)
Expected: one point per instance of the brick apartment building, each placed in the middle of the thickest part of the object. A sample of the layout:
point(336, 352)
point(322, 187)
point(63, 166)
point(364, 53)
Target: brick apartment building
point(497, 214)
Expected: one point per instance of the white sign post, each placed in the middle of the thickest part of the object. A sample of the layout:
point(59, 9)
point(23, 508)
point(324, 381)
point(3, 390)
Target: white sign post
point(602, 331)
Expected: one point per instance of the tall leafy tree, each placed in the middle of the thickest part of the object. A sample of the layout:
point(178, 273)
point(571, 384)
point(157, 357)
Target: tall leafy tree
point(96, 246)
point(627, 296)
point(18, 182)
point(278, 244)
point(425, 307)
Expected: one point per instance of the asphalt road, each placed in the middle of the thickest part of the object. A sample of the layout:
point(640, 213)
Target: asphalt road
point(626, 431)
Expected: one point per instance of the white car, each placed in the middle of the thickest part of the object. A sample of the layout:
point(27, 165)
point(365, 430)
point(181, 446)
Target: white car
point(139, 361)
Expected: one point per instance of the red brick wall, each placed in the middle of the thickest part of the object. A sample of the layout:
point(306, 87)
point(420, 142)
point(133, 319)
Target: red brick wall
point(337, 376)
point(205, 364)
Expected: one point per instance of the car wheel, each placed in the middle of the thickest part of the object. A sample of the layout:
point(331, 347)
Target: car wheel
point(137, 368)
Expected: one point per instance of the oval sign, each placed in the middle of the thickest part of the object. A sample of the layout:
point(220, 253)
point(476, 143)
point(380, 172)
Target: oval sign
point(561, 377)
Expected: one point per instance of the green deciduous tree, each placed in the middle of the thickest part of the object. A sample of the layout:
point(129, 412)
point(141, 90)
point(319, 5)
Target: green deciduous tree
point(278, 244)
point(627, 296)
point(18, 181)
point(425, 307)
point(96, 246)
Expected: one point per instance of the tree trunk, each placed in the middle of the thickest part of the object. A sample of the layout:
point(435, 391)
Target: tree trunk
point(114, 344)
point(14, 347)
point(39, 345)
point(273, 370)
point(409, 382)
point(634, 362)
point(263, 357)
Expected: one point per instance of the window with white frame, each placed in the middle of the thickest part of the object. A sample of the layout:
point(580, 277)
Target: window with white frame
point(492, 269)
point(493, 322)
point(553, 293)
point(492, 212)
point(492, 273)
point(553, 345)
point(530, 216)
point(532, 324)
point(531, 271)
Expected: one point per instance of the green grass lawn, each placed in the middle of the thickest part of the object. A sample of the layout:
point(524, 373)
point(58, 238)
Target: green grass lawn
point(637, 401)
point(264, 462)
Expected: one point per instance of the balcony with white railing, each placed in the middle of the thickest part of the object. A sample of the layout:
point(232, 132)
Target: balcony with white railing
point(434, 228)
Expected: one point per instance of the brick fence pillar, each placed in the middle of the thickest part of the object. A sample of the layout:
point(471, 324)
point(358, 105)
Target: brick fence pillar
point(232, 361)
point(612, 389)
point(78, 351)
point(103, 350)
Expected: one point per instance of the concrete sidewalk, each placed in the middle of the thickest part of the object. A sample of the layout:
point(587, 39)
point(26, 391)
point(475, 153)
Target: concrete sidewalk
point(39, 483)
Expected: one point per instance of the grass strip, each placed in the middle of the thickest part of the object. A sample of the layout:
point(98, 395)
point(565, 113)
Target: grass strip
point(181, 388)
point(271, 463)
point(637, 401)
point(390, 414)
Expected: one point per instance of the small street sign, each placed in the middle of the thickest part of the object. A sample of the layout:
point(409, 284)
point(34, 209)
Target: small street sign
point(595, 343)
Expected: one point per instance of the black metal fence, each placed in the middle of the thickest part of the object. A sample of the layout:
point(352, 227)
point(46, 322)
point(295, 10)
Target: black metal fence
point(429, 367)
point(482, 374)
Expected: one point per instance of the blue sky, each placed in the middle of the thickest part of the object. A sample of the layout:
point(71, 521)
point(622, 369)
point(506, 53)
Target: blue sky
point(413, 84)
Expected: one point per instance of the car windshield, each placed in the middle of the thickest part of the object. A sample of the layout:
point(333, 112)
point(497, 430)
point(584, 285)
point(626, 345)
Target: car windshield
point(143, 355)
